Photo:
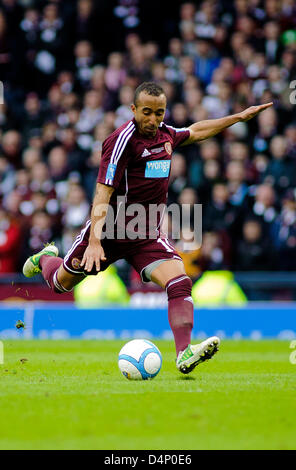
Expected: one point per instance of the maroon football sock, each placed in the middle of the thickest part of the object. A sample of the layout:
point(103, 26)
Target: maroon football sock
point(180, 310)
point(50, 266)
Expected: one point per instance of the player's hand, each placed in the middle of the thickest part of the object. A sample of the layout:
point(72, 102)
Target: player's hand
point(93, 255)
point(252, 111)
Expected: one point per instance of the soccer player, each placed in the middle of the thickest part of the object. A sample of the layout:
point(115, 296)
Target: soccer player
point(135, 169)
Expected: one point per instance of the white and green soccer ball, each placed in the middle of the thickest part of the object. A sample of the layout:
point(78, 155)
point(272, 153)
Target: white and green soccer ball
point(139, 359)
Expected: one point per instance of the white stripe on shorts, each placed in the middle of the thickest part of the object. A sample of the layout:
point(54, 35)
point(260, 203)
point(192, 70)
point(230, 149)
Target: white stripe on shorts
point(57, 284)
point(79, 239)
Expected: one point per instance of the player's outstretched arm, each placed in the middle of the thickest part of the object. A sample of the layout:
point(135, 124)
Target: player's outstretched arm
point(204, 129)
point(94, 252)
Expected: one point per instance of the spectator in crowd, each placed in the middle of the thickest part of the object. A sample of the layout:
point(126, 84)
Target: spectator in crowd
point(238, 188)
point(219, 215)
point(172, 60)
point(5, 48)
point(123, 112)
point(40, 179)
point(260, 162)
point(208, 150)
point(253, 250)
point(11, 202)
point(239, 151)
point(281, 171)
point(92, 112)
point(290, 134)
point(84, 60)
point(115, 74)
point(220, 104)
point(33, 116)
point(85, 21)
point(49, 137)
point(284, 233)
point(30, 157)
point(76, 207)
point(76, 156)
point(264, 206)
point(59, 170)
point(211, 172)
point(91, 173)
point(186, 200)
point(39, 232)
point(29, 29)
point(22, 182)
point(66, 90)
point(212, 255)
point(10, 237)
point(206, 60)
point(7, 176)
point(50, 48)
point(267, 128)
point(12, 146)
point(179, 115)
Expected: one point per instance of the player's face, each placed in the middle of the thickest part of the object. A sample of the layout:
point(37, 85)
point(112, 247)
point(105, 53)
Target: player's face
point(149, 112)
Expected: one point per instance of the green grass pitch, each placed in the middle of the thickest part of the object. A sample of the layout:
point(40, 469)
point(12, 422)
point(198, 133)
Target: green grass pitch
point(71, 395)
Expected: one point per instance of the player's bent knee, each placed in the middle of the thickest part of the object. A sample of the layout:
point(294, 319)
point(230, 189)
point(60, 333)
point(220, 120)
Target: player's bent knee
point(68, 281)
point(166, 271)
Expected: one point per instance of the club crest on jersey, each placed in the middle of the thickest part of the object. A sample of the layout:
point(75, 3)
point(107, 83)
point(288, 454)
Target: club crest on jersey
point(157, 169)
point(168, 148)
point(76, 263)
point(111, 171)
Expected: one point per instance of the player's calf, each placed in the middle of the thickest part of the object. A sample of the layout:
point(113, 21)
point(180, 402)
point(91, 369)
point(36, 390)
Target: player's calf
point(180, 310)
point(56, 277)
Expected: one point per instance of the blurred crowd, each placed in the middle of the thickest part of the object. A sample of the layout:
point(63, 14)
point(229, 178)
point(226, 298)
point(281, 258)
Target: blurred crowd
point(66, 88)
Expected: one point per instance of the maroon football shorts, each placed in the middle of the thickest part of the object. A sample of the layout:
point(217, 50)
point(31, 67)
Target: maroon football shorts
point(138, 253)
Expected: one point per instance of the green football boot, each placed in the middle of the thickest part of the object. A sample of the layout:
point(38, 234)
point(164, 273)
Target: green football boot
point(194, 355)
point(31, 266)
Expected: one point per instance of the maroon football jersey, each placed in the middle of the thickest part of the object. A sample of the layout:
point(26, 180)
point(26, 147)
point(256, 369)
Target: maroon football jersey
point(138, 168)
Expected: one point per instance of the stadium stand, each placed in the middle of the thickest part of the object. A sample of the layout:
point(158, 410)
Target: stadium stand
point(69, 70)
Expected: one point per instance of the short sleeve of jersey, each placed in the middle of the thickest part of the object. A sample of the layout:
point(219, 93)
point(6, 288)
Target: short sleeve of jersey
point(114, 159)
point(179, 135)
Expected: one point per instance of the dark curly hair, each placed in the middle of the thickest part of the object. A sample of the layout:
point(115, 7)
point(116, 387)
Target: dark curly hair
point(150, 88)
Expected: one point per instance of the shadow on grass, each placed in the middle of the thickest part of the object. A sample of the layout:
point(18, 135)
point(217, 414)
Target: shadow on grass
point(187, 377)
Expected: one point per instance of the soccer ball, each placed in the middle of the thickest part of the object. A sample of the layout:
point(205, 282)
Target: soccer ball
point(139, 359)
